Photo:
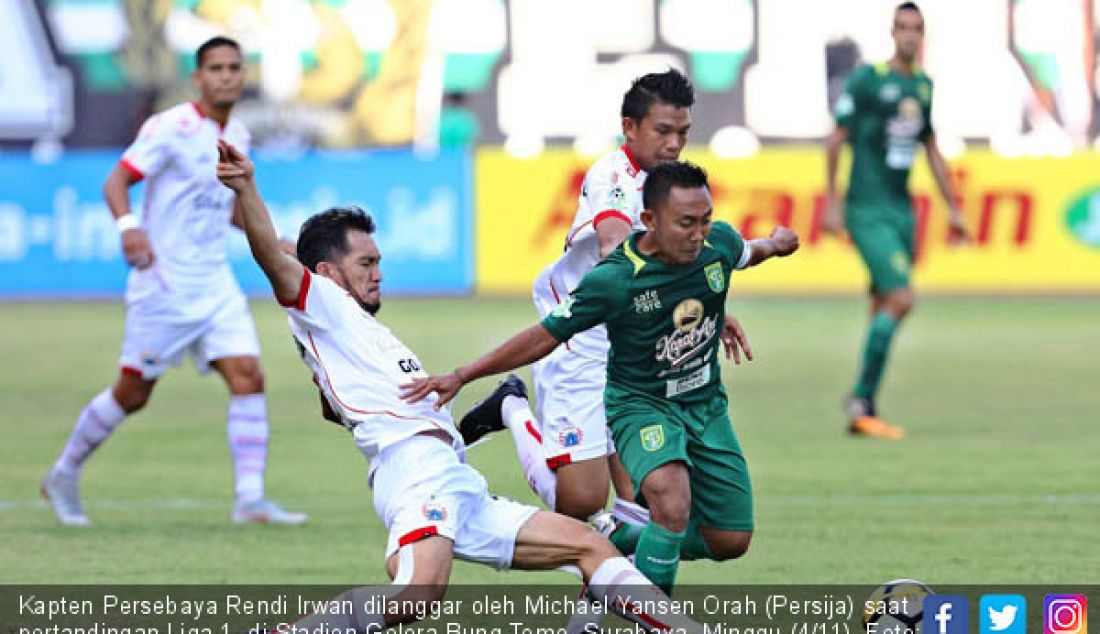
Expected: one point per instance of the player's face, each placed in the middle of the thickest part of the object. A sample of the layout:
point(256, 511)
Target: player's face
point(682, 224)
point(908, 33)
point(220, 79)
point(660, 136)
point(359, 271)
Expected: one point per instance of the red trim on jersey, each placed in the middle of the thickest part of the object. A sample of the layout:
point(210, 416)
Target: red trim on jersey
point(610, 213)
point(202, 115)
point(130, 167)
point(557, 300)
point(558, 461)
point(328, 382)
point(572, 234)
point(534, 432)
point(417, 535)
point(303, 290)
point(128, 371)
point(630, 157)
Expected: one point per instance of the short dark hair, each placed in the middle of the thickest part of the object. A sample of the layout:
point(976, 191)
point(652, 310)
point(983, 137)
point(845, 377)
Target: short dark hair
point(669, 87)
point(324, 237)
point(909, 6)
point(661, 179)
point(212, 43)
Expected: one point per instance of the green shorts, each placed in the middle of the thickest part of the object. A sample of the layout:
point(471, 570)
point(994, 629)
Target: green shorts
point(884, 238)
point(650, 433)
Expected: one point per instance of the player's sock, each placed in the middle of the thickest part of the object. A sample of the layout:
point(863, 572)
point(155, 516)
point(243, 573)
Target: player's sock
point(518, 417)
point(875, 352)
point(248, 431)
point(658, 555)
point(618, 584)
point(98, 419)
point(356, 619)
point(629, 512)
point(694, 546)
point(630, 519)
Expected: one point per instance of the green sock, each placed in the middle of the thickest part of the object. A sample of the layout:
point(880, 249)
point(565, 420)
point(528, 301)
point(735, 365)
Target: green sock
point(875, 351)
point(658, 555)
point(625, 537)
point(694, 546)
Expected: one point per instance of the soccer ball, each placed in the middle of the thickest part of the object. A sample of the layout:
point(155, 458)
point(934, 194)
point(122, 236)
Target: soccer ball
point(896, 607)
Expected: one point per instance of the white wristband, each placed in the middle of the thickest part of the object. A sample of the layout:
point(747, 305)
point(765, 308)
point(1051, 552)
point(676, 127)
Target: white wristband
point(126, 222)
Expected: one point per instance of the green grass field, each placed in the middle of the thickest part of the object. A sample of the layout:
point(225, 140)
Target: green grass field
point(997, 481)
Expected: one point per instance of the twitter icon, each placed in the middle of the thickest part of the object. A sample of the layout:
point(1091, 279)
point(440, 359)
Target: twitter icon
point(1003, 614)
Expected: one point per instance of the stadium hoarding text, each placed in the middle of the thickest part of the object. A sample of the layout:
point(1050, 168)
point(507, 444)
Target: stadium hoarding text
point(57, 238)
point(1036, 221)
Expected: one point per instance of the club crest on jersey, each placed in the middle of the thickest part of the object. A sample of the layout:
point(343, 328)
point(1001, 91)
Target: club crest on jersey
point(653, 437)
point(716, 278)
point(434, 512)
point(616, 199)
point(570, 436)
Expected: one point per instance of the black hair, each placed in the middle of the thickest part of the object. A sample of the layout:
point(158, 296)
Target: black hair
point(669, 87)
point(909, 6)
point(324, 237)
point(661, 179)
point(212, 43)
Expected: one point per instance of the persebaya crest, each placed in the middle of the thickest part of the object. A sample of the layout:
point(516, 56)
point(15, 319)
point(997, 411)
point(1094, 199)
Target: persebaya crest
point(716, 279)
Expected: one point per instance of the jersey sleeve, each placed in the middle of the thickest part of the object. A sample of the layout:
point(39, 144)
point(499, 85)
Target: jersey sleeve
point(318, 303)
point(731, 244)
point(847, 104)
point(607, 197)
point(151, 150)
point(596, 300)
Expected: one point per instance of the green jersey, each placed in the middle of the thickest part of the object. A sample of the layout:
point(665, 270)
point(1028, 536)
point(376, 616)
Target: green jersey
point(886, 114)
point(664, 321)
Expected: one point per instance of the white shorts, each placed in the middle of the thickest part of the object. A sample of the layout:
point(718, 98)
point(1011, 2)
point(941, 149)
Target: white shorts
point(422, 489)
point(155, 338)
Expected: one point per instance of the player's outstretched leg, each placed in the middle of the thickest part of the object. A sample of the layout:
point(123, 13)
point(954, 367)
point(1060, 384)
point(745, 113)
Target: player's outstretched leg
point(61, 485)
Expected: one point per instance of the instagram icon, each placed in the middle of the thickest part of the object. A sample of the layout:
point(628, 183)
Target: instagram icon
point(1065, 614)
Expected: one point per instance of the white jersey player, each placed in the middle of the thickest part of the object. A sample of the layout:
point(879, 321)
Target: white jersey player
point(567, 460)
point(181, 297)
point(435, 506)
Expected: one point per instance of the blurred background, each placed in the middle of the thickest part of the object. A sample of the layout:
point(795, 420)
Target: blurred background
point(466, 126)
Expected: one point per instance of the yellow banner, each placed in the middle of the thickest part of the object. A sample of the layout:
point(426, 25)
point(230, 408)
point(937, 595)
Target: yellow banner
point(1036, 221)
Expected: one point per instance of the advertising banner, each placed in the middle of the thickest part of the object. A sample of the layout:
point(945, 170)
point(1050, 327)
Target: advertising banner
point(1036, 221)
point(57, 237)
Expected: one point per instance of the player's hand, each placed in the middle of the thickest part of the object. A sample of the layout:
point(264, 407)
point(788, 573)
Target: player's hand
point(957, 231)
point(137, 249)
point(446, 386)
point(735, 341)
point(832, 221)
point(235, 170)
point(785, 241)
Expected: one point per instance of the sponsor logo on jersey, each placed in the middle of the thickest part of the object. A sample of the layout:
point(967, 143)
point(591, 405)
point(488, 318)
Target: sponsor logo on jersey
point(647, 302)
point(889, 92)
point(434, 512)
point(150, 358)
point(564, 309)
point(693, 331)
point(653, 437)
point(616, 198)
point(716, 278)
point(570, 436)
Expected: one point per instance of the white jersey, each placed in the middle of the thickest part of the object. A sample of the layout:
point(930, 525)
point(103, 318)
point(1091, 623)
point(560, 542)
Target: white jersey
point(612, 189)
point(359, 365)
point(187, 211)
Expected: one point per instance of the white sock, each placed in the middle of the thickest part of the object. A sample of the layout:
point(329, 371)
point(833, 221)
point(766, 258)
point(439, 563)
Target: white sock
point(98, 419)
point(629, 512)
point(528, 440)
point(617, 582)
point(350, 616)
point(248, 431)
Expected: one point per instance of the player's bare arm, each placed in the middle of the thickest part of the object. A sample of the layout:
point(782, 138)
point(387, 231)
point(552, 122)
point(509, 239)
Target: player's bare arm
point(523, 349)
point(136, 247)
point(611, 232)
point(782, 242)
point(833, 221)
point(958, 231)
point(236, 172)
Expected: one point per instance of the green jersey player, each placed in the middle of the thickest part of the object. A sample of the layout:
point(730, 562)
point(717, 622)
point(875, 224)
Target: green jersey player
point(662, 296)
point(884, 113)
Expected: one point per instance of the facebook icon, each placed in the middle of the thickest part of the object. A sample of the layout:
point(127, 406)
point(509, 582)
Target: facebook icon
point(946, 614)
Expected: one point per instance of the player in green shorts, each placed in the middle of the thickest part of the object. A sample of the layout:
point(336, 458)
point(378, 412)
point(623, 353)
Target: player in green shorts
point(662, 294)
point(884, 112)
